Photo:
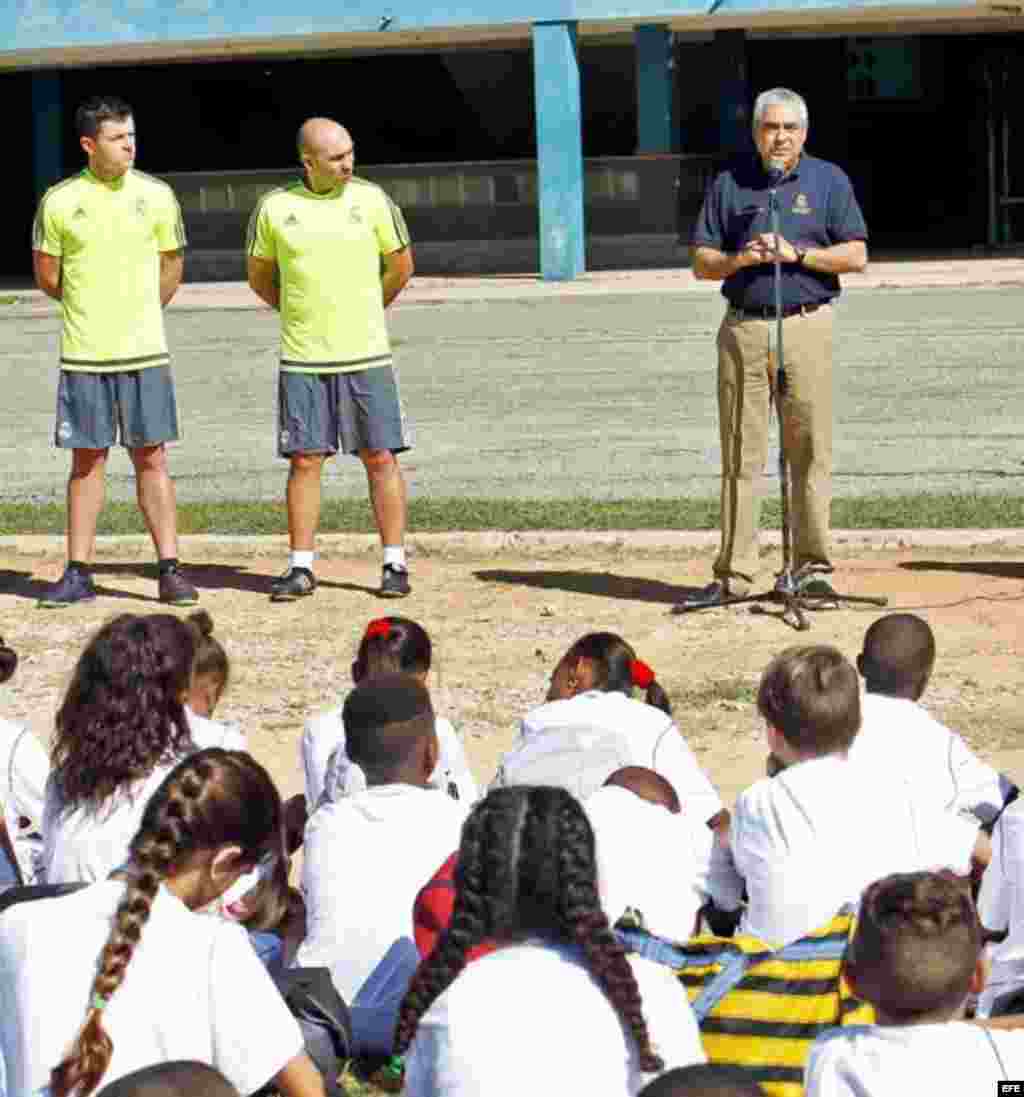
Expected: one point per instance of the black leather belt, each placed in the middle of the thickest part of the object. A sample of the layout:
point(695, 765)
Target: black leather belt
point(768, 311)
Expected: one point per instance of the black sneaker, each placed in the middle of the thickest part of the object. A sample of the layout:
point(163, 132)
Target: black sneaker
point(394, 582)
point(176, 590)
point(716, 593)
point(295, 583)
point(73, 586)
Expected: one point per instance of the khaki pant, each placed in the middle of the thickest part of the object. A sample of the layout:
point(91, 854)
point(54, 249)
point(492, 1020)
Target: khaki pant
point(746, 377)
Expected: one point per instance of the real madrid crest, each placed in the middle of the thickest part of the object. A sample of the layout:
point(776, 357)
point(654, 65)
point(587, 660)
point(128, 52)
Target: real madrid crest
point(800, 204)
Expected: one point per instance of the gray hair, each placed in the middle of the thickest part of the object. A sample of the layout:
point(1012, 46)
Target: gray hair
point(780, 97)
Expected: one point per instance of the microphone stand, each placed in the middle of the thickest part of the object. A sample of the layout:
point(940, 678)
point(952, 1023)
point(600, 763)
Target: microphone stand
point(786, 591)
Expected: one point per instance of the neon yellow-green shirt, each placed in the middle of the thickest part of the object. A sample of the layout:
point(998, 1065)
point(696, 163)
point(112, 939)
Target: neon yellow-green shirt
point(327, 248)
point(108, 237)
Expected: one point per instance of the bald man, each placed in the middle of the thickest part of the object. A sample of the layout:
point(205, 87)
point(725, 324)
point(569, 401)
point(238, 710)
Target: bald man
point(330, 252)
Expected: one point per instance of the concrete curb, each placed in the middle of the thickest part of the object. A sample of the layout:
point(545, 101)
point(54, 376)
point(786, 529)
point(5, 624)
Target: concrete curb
point(539, 542)
point(427, 290)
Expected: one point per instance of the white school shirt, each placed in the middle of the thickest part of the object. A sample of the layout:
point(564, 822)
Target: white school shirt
point(1001, 906)
point(323, 749)
point(577, 743)
point(662, 865)
point(194, 989)
point(87, 843)
point(227, 735)
point(366, 857)
point(531, 1018)
point(24, 770)
point(900, 736)
point(811, 839)
point(954, 1058)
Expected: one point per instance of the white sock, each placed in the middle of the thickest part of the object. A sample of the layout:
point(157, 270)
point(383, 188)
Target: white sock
point(301, 559)
point(395, 556)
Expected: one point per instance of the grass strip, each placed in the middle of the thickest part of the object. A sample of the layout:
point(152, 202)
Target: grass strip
point(244, 517)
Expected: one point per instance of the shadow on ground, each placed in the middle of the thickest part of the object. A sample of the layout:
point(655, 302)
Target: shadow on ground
point(22, 584)
point(1001, 569)
point(602, 584)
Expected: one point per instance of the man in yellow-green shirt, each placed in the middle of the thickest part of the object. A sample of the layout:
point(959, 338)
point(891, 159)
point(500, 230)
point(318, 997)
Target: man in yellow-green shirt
point(108, 244)
point(330, 252)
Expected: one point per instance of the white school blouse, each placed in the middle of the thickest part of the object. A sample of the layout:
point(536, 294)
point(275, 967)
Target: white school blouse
point(322, 752)
point(810, 840)
point(891, 1061)
point(531, 1018)
point(194, 989)
point(902, 737)
point(662, 865)
point(24, 770)
point(87, 843)
point(579, 742)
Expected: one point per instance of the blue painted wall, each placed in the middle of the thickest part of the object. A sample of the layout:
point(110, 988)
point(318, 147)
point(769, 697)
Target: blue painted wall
point(56, 24)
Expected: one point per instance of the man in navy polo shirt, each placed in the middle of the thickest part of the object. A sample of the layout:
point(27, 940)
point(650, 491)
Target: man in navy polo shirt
point(821, 235)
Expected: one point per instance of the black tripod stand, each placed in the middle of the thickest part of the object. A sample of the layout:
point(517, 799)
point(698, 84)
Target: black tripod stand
point(787, 590)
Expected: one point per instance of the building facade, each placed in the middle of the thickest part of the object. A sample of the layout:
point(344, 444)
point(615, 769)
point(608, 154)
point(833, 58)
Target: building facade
point(517, 136)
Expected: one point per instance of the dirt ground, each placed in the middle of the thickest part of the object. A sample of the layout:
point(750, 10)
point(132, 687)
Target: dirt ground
point(501, 620)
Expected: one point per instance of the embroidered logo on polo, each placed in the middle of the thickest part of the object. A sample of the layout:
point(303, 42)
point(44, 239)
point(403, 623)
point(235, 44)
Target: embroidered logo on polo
point(79, 212)
point(355, 216)
point(291, 219)
point(801, 205)
point(140, 207)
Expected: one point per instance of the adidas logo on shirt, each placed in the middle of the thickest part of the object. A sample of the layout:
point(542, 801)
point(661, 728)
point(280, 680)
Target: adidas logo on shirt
point(79, 212)
point(291, 219)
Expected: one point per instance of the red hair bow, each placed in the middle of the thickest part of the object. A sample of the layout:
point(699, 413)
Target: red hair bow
point(640, 673)
point(380, 627)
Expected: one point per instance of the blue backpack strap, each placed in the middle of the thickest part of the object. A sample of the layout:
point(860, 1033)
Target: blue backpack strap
point(734, 963)
point(658, 949)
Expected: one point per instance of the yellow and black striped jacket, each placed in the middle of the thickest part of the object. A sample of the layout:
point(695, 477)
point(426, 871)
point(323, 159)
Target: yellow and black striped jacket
point(761, 1008)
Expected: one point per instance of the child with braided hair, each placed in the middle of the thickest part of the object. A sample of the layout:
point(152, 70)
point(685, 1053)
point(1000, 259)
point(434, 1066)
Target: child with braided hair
point(390, 645)
point(558, 1006)
point(591, 725)
point(120, 729)
point(916, 956)
point(169, 984)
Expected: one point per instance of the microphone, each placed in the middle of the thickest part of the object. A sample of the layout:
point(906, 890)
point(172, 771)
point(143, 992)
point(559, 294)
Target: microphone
point(776, 169)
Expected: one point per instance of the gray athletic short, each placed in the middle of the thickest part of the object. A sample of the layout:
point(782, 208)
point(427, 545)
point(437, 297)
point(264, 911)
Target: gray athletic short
point(318, 412)
point(95, 409)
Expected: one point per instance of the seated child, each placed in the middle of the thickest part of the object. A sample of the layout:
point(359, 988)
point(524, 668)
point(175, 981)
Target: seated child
point(898, 734)
point(177, 1079)
point(703, 1080)
point(809, 840)
point(211, 672)
point(654, 858)
point(24, 770)
point(586, 1018)
point(121, 728)
point(124, 974)
point(368, 854)
point(592, 725)
point(390, 645)
point(916, 956)
point(1001, 907)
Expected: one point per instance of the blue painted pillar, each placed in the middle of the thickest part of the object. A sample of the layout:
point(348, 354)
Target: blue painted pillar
point(734, 95)
point(655, 92)
point(556, 79)
point(47, 130)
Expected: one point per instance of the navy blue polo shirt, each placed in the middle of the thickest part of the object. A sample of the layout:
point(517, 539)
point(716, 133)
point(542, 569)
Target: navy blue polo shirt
point(817, 208)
